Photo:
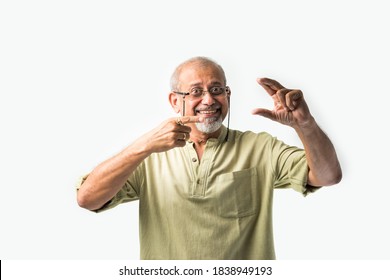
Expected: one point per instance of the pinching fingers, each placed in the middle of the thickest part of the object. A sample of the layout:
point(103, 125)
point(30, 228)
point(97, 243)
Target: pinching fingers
point(280, 98)
point(292, 99)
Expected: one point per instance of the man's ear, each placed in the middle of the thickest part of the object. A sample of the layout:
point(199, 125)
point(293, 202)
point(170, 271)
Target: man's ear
point(175, 103)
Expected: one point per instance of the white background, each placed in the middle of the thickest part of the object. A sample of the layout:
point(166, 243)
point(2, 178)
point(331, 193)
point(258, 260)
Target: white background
point(80, 80)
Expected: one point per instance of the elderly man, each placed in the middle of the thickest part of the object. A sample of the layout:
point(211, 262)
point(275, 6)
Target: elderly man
point(205, 191)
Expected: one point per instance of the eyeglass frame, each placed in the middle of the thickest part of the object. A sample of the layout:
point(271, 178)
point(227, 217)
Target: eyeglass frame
point(226, 88)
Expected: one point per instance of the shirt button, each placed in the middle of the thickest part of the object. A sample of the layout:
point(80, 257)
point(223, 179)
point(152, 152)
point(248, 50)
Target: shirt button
point(194, 159)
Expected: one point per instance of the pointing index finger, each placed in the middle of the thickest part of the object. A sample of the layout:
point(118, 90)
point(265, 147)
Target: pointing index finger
point(190, 119)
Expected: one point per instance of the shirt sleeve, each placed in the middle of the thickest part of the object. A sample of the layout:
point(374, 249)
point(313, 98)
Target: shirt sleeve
point(290, 167)
point(129, 192)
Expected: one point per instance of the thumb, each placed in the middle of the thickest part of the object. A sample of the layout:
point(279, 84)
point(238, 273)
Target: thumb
point(264, 113)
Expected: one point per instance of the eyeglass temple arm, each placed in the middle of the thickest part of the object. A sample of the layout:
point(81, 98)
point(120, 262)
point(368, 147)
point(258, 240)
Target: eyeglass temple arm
point(183, 111)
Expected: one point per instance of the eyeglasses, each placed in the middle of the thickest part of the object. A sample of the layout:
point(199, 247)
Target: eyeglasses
point(198, 93)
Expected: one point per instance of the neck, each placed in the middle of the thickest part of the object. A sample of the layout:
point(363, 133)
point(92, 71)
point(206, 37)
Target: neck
point(201, 138)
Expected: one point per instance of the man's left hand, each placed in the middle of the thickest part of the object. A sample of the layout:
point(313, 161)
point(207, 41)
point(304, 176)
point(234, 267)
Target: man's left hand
point(290, 108)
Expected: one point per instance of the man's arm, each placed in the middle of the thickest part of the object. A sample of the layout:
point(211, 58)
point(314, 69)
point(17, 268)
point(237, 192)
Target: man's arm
point(104, 182)
point(291, 109)
point(324, 167)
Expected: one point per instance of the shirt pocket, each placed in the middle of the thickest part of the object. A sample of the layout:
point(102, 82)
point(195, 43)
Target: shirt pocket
point(236, 193)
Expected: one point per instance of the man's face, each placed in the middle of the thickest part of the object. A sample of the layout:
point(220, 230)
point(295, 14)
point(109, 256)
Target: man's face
point(212, 108)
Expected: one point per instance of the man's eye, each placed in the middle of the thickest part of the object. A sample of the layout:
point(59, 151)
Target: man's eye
point(216, 90)
point(197, 91)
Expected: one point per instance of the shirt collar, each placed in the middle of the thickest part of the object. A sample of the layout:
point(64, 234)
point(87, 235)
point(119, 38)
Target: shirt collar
point(223, 134)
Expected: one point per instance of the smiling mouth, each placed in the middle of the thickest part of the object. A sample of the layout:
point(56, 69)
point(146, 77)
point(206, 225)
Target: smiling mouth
point(207, 112)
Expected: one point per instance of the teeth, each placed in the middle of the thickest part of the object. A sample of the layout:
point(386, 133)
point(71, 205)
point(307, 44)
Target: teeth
point(208, 112)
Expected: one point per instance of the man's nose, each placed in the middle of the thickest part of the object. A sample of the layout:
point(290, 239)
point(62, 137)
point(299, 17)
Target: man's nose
point(207, 98)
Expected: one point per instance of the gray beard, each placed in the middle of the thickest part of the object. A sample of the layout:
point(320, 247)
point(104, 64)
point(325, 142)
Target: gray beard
point(209, 125)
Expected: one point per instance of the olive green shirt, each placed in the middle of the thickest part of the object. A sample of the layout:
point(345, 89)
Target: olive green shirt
point(216, 208)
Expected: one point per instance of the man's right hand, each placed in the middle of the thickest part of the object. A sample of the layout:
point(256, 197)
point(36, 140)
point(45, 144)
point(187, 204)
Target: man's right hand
point(170, 134)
